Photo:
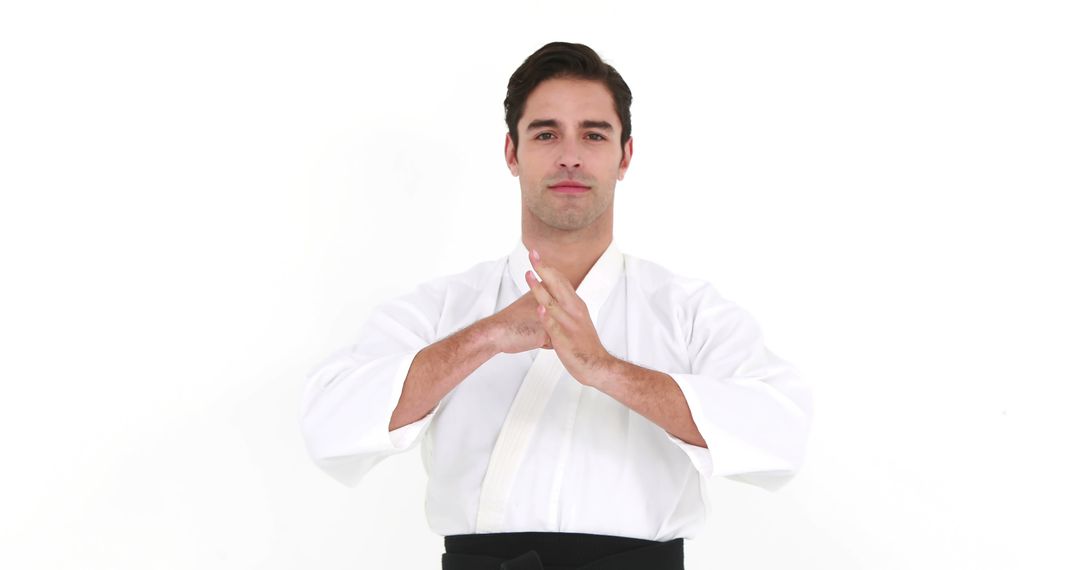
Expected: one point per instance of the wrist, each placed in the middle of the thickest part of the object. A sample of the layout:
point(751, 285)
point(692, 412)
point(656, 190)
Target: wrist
point(606, 371)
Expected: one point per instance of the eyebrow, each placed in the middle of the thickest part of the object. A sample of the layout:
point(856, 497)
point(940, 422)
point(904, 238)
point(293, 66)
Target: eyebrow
point(541, 123)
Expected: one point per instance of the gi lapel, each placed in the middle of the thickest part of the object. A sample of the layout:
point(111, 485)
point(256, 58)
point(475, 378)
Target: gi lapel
point(535, 391)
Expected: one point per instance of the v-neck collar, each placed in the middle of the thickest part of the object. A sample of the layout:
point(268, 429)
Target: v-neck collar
point(593, 289)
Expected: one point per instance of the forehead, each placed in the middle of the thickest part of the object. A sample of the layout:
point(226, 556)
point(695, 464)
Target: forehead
point(570, 99)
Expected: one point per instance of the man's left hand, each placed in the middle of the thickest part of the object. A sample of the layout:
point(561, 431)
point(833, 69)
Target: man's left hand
point(566, 319)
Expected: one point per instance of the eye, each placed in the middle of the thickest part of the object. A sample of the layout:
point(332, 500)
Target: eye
point(598, 136)
point(542, 134)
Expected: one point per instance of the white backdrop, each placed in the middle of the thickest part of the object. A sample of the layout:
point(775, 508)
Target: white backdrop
point(203, 199)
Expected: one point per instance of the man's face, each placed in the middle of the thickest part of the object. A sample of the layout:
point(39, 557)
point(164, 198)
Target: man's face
point(569, 131)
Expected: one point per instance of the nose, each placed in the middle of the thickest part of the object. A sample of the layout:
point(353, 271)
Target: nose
point(569, 157)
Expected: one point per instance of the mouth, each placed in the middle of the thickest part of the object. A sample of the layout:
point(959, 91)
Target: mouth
point(569, 188)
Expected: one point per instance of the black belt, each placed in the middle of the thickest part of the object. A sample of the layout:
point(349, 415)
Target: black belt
point(559, 551)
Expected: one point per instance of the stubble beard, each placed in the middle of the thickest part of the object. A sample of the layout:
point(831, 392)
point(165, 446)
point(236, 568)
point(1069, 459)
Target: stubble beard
point(568, 215)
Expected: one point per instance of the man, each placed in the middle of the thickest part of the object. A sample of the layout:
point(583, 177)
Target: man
point(571, 399)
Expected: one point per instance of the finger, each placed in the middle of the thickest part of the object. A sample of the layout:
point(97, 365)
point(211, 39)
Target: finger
point(557, 311)
point(539, 290)
point(551, 325)
point(558, 285)
point(560, 316)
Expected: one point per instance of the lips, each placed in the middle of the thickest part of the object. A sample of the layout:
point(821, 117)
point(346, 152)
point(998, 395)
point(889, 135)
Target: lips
point(569, 186)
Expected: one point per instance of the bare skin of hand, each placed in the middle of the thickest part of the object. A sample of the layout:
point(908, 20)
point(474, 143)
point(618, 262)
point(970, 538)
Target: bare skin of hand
point(565, 318)
point(517, 327)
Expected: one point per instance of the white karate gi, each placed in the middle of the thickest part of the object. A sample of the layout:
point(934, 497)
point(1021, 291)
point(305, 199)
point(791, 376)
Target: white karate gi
point(520, 445)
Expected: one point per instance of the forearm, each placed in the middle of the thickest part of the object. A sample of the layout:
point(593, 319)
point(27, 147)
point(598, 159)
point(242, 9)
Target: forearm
point(440, 367)
point(652, 394)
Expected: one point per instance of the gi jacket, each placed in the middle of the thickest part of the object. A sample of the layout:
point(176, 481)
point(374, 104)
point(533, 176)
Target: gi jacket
point(520, 445)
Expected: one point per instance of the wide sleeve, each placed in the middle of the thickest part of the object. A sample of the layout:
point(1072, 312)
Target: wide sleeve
point(752, 407)
point(349, 396)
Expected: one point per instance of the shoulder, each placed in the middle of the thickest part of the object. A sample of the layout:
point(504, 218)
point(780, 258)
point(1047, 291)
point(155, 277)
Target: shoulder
point(691, 298)
point(422, 307)
point(654, 279)
point(475, 276)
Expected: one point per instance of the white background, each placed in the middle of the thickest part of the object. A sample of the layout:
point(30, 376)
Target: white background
point(200, 200)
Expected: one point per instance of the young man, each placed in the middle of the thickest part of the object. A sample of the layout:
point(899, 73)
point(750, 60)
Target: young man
point(571, 399)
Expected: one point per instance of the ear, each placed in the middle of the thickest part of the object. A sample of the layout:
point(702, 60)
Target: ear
point(628, 151)
point(509, 151)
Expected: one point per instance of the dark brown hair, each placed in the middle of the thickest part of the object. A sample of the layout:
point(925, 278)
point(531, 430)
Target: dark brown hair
point(564, 60)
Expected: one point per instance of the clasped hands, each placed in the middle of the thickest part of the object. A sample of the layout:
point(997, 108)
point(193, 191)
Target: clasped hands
point(565, 318)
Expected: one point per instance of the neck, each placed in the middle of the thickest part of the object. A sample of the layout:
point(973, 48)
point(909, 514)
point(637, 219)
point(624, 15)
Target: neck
point(571, 254)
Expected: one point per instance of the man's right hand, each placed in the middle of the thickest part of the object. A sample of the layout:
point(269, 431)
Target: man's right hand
point(517, 328)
